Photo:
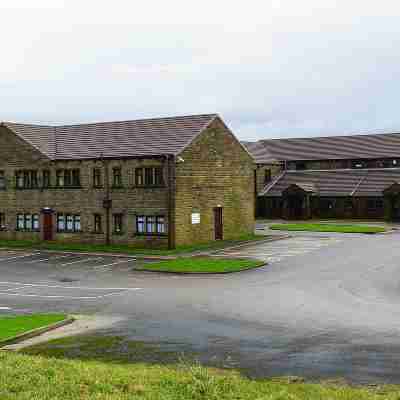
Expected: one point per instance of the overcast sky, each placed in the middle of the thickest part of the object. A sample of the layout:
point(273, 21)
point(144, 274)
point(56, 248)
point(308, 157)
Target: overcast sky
point(272, 68)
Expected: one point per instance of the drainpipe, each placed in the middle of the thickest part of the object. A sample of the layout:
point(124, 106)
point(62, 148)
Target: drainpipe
point(171, 200)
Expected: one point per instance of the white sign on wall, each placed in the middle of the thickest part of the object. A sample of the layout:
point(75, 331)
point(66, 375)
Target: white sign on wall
point(195, 218)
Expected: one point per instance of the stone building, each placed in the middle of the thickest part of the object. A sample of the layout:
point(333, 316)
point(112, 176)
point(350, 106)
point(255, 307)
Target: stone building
point(355, 176)
point(155, 182)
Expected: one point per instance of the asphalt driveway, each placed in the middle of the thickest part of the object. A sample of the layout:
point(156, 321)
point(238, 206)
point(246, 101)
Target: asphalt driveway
point(326, 306)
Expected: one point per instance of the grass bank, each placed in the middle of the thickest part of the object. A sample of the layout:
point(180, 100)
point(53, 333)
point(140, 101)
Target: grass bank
point(37, 377)
point(203, 265)
point(11, 326)
point(340, 228)
point(126, 249)
point(111, 367)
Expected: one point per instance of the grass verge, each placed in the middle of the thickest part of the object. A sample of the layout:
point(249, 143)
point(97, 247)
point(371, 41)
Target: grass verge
point(69, 370)
point(203, 265)
point(126, 249)
point(329, 228)
point(11, 326)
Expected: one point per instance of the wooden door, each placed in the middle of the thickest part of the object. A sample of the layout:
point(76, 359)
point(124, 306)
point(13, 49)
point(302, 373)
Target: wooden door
point(218, 223)
point(47, 226)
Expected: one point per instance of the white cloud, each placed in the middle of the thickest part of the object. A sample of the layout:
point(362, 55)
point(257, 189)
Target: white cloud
point(271, 68)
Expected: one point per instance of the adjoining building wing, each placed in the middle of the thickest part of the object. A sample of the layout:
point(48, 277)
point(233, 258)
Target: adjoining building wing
point(332, 147)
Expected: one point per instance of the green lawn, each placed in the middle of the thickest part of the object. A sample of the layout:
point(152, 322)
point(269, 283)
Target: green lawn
point(203, 265)
point(341, 228)
point(26, 377)
point(11, 326)
point(126, 249)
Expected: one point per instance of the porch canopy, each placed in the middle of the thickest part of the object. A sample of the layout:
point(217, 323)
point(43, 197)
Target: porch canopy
point(336, 183)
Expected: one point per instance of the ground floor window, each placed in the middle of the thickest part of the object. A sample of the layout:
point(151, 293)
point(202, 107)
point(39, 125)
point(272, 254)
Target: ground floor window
point(98, 227)
point(27, 222)
point(68, 223)
point(118, 223)
point(374, 204)
point(2, 221)
point(150, 224)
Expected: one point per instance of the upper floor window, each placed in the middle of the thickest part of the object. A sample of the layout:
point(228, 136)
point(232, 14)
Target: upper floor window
point(46, 178)
point(27, 179)
point(76, 177)
point(149, 176)
point(68, 178)
point(2, 180)
point(60, 178)
point(117, 177)
point(97, 177)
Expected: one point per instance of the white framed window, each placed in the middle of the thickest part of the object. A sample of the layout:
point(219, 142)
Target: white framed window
point(70, 223)
point(77, 223)
point(35, 222)
point(28, 222)
point(61, 222)
point(20, 222)
point(140, 224)
point(150, 224)
point(160, 224)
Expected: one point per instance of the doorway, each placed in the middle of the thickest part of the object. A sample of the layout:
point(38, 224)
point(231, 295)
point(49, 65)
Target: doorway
point(218, 223)
point(47, 225)
point(295, 205)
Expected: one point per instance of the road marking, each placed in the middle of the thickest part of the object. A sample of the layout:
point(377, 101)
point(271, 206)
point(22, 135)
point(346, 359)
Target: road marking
point(13, 289)
point(25, 255)
point(115, 263)
point(64, 287)
point(5, 308)
point(50, 297)
point(79, 261)
point(67, 297)
point(47, 259)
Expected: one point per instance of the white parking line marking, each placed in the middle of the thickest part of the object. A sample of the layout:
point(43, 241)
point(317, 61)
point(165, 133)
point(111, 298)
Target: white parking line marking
point(47, 259)
point(63, 287)
point(13, 289)
point(50, 297)
point(14, 258)
point(120, 292)
point(115, 263)
point(80, 261)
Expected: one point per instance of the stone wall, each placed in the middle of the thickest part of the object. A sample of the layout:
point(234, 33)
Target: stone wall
point(86, 201)
point(214, 171)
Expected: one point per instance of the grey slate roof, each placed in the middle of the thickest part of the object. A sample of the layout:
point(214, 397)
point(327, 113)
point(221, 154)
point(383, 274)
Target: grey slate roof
point(145, 137)
point(344, 182)
point(326, 148)
point(260, 152)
